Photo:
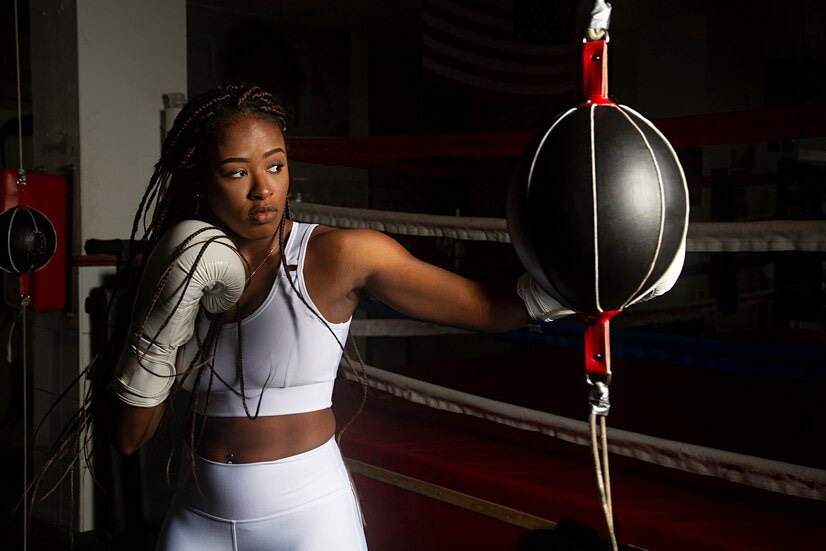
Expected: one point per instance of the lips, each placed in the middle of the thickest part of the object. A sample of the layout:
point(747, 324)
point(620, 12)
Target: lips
point(263, 215)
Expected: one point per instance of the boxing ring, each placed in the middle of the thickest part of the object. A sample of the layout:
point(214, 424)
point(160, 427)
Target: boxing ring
point(465, 452)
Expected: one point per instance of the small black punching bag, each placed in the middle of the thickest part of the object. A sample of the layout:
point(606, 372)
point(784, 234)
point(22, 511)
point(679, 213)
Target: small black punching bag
point(30, 240)
point(598, 209)
point(598, 213)
point(598, 204)
point(27, 238)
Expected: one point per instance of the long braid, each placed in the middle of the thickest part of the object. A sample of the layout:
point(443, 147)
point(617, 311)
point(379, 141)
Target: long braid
point(200, 120)
point(165, 201)
point(361, 374)
point(194, 128)
point(185, 146)
point(239, 359)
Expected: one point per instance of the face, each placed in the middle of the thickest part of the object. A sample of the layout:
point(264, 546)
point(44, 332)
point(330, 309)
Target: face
point(246, 179)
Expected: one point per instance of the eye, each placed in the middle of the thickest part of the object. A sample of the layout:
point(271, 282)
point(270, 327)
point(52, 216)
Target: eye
point(237, 173)
point(275, 169)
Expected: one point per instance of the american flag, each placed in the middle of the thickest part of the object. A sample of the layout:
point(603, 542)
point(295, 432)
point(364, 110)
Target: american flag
point(522, 49)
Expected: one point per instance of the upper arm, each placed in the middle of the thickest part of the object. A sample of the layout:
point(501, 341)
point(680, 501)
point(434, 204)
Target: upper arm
point(386, 270)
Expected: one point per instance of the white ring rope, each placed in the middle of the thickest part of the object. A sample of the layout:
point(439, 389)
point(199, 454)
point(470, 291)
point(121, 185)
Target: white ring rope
point(404, 223)
point(765, 474)
point(400, 328)
point(709, 237)
point(763, 236)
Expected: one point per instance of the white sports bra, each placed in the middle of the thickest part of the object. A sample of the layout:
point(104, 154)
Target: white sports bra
point(290, 358)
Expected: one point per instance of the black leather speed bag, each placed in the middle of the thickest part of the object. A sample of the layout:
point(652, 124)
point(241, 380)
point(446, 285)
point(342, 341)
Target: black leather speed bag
point(598, 207)
point(27, 240)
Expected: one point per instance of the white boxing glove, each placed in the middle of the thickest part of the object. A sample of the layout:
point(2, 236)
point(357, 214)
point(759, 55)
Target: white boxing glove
point(668, 279)
point(543, 307)
point(540, 305)
point(146, 368)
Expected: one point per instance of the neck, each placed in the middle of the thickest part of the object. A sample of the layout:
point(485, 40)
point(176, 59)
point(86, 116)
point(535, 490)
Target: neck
point(255, 267)
point(261, 254)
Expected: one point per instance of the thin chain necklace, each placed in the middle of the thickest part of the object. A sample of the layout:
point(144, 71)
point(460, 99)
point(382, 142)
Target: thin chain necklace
point(269, 254)
point(277, 236)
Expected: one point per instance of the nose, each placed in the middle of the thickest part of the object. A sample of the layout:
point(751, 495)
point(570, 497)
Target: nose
point(259, 190)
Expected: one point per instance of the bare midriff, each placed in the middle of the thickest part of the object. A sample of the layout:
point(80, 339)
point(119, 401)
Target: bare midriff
point(243, 440)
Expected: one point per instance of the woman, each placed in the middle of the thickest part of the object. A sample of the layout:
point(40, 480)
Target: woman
point(266, 472)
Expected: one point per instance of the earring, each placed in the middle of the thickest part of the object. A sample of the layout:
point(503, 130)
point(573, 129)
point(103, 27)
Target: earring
point(197, 203)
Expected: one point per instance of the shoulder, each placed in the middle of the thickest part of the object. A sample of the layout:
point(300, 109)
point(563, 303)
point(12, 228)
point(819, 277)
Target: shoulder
point(340, 262)
point(354, 253)
point(354, 241)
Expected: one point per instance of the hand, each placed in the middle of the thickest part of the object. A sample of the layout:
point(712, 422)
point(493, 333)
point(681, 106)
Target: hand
point(668, 279)
point(543, 307)
point(166, 306)
point(540, 305)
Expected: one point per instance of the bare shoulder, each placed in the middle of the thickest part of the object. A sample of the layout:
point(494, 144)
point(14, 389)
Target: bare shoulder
point(341, 262)
point(363, 242)
point(352, 256)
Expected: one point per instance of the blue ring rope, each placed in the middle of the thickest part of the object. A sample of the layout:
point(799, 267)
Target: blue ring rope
point(752, 358)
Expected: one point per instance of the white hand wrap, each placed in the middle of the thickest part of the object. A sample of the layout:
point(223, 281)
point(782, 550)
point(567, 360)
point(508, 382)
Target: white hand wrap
point(541, 306)
point(146, 368)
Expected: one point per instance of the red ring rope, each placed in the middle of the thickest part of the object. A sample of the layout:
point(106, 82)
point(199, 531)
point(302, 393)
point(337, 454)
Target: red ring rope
point(769, 125)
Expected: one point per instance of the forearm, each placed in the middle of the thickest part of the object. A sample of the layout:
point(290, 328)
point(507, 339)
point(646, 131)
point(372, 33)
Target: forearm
point(484, 306)
point(501, 309)
point(135, 426)
point(430, 293)
point(192, 264)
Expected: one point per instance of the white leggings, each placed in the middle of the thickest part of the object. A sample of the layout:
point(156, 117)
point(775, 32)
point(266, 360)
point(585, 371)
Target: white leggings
point(301, 503)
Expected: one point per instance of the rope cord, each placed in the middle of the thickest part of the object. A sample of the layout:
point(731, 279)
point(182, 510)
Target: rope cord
point(19, 99)
point(756, 472)
point(745, 236)
point(406, 153)
point(599, 449)
point(23, 305)
point(25, 300)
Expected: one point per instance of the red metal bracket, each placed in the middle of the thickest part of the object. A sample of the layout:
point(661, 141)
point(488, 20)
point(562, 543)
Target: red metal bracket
point(598, 343)
point(595, 73)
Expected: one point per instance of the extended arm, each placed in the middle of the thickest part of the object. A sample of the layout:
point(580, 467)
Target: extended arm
point(376, 264)
point(426, 292)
